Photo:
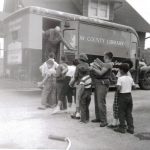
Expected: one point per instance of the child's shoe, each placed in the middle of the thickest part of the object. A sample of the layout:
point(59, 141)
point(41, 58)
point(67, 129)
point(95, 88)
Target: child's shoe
point(95, 121)
point(76, 115)
point(42, 107)
point(131, 131)
point(112, 126)
point(86, 121)
point(103, 124)
point(69, 105)
point(120, 130)
point(56, 110)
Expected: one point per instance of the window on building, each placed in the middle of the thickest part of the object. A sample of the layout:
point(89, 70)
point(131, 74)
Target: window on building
point(99, 9)
point(94, 7)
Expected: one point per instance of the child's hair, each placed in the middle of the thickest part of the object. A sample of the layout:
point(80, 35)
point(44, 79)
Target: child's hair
point(124, 67)
point(83, 57)
point(75, 62)
point(129, 62)
point(51, 55)
point(63, 58)
point(109, 55)
point(83, 70)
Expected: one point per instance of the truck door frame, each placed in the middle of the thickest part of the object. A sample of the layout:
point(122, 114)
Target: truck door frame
point(66, 26)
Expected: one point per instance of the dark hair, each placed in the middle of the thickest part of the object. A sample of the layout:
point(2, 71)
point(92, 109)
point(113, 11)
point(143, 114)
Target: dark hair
point(124, 67)
point(83, 57)
point(51, 55)
point(63, 58)
point(75, 62)
point(129, 62)
point(109, 55)
point(83, 70)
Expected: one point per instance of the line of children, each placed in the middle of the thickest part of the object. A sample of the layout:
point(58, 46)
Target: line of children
point(123, 104)
point(61, 90)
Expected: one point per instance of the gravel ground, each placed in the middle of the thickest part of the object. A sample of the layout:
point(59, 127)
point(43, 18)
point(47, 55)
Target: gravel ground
point(23, 126)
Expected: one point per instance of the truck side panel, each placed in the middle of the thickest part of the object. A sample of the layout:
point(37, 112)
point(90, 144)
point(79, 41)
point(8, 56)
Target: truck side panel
point(95, 40)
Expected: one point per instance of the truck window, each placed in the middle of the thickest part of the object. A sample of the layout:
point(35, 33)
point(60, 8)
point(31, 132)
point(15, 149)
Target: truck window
point(71, 37)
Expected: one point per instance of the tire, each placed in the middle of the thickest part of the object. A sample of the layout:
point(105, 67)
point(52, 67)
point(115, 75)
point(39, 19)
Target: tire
point(145, 83)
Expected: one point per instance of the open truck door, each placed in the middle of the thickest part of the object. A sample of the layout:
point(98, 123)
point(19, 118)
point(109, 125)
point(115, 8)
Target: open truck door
point(70, 34)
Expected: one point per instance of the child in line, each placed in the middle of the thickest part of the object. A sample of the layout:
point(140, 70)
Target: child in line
point(115, 121)
point(49, 87)
point(85, 94)
point(124, 88)
point(82, 62)
point(43, 68)
point(61, 71)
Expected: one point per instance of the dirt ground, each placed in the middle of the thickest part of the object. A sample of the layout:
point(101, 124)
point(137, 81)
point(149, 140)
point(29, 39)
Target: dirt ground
point(23, 126)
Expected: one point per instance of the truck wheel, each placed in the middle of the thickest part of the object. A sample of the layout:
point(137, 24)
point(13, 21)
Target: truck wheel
point(145, 83)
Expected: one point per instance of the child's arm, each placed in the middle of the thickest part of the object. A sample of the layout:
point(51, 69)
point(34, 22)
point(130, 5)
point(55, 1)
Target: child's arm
point(65, 71)
point(100, 72)
point(43, 81)
point(118, 88)
point(58, 71)
point(75, 78)
point(42, 69)
point(133, 86)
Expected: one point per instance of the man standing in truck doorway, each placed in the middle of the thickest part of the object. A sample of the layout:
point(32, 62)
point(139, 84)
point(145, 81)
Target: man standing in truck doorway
point(53, 39)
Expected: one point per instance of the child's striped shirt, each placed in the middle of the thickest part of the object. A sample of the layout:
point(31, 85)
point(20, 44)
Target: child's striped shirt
point(86, 81)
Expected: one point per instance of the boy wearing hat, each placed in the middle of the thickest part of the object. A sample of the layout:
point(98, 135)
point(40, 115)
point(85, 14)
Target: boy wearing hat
point(82, 60)
point(60, 85)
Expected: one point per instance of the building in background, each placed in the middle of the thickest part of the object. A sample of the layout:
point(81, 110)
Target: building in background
point(118, 11)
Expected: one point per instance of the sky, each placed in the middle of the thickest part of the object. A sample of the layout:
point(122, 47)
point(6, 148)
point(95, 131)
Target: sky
point(141, 6)
point(1, 5)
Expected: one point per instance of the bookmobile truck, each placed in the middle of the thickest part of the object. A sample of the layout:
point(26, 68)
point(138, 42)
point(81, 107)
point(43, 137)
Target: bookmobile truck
point(25, 45)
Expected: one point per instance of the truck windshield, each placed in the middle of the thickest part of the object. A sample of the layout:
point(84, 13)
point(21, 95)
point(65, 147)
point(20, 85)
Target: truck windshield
point(71, 38)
